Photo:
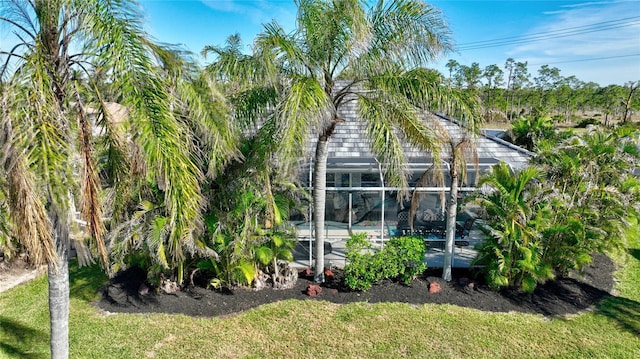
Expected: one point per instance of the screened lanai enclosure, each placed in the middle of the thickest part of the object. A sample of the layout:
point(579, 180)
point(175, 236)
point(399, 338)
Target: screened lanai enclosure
point(359, 200)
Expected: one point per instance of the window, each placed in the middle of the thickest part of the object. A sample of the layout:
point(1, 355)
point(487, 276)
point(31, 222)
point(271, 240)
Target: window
point(345, 180)
point(370, 180)
point(331, 179)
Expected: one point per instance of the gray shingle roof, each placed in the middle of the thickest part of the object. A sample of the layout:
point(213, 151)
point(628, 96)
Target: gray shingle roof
point(350, 143)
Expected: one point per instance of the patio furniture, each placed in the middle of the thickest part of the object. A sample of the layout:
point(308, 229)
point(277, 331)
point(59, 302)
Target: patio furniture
point(464, 229)
point(403, 226)
point(437, 227)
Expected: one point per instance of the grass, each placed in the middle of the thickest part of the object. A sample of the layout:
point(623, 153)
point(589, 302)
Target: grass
point(305, 329)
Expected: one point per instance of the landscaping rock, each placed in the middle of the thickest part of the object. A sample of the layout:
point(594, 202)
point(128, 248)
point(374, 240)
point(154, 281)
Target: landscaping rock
point(328, 274)
point(313, 290)
point(434, 287)
point(169, 286)
point(471, 285)
point(307, 272)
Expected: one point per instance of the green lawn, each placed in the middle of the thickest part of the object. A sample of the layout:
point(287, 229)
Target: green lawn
point(306, 329)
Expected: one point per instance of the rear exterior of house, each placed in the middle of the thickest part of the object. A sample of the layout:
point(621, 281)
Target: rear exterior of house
point(359, 200)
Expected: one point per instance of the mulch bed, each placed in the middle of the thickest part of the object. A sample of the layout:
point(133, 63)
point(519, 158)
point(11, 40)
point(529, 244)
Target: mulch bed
point(128, 293)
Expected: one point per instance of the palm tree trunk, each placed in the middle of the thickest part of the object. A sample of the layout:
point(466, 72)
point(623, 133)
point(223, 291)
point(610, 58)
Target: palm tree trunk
point(59, 304)
point(59, 283)
point(319, 203)
point(452, 209)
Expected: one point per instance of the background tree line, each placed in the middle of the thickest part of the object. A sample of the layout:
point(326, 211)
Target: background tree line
point(512, 91)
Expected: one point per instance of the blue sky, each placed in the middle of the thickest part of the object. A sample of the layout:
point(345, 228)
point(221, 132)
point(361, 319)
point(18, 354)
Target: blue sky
point(604, 47)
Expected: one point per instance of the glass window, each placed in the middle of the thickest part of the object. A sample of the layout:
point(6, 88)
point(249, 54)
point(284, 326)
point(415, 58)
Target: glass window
point(345, 180)
point(370, 180)
point(331, 179)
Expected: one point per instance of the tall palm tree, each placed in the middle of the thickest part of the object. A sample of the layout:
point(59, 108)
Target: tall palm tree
point(47, 132)
point(342, 52)
point(202, 110)
point(460, 149)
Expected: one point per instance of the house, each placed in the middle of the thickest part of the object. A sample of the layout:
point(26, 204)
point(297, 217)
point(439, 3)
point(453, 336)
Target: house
point(358, 200)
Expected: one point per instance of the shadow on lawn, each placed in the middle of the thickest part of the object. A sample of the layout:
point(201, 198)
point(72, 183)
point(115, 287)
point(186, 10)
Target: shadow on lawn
point(565, 295)
point(635, 253)
point(84, 282)
point(625, 312)
point(17, 334)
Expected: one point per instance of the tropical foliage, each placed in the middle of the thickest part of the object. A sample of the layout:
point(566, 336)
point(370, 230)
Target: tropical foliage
point(51, 104)
point(247, 224)
point(402, 258)
point(527, 131)
point(204, 115)
point(592, 195)
point(548, 220)
point(511, 254)
point(252, 196)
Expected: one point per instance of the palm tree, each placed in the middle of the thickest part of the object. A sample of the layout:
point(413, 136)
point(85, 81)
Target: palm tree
point(47, 133)
point(254, 194)
point(593, 194)
point(341, 52)
point(452, 65)
point(528, 131)
point(460, 149)
point(200, 107)
point(511, 253)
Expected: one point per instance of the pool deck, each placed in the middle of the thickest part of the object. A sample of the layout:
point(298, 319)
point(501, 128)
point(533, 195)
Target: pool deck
point(337, 238)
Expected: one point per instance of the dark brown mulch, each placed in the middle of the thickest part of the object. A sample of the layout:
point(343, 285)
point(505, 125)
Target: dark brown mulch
point(556, 298)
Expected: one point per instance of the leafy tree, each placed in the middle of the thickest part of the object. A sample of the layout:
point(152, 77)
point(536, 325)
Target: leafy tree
point(469, 75)
point(517, 79)
point(494, 78)
point(547, 82)
point(48, 137)
point(341, 52)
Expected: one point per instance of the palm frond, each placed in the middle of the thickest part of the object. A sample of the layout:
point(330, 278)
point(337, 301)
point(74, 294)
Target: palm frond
point(164, 142)
point(307, 106)
point(90, 184)
point(411, 33)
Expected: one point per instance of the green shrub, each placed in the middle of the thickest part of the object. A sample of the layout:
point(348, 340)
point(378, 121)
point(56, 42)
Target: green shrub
point(401, 259)
point(409, 255)
point(358, 273)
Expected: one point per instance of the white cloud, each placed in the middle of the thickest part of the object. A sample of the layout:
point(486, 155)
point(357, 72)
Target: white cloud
point(257, 11)
point(600, 32)
point(589, 39)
